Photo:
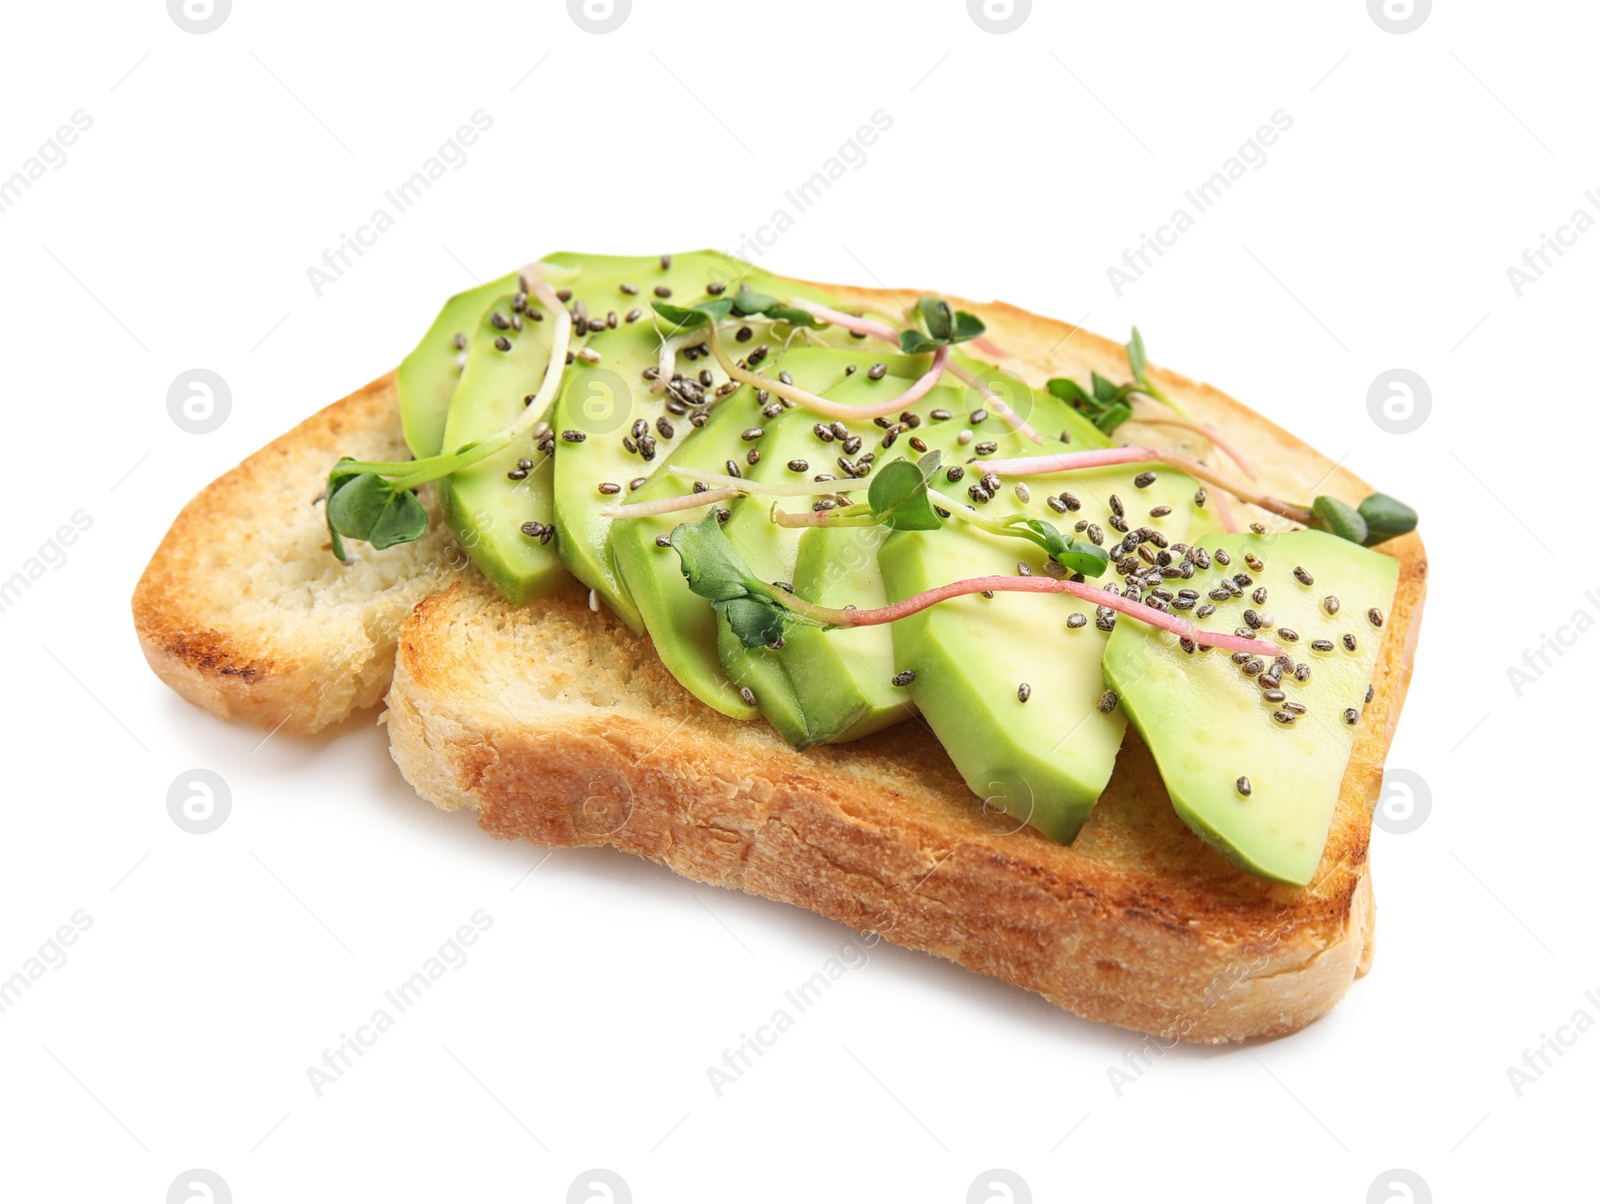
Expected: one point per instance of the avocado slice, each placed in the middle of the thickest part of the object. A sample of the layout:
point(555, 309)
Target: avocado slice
point(843, 680)
point(1260, 790)
point(1043, 754)
point(484, 506)
point(628, 429)
point(426, 379)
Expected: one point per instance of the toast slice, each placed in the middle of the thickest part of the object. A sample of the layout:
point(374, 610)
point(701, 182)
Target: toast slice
point(562, 728)
point(559, 726)
point(244, 611)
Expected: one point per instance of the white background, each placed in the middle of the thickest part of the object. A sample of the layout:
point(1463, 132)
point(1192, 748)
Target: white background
point(218, 968)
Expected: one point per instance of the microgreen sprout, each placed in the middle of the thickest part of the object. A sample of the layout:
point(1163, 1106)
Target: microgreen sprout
point(758, 612)
point(375, 500)
point(1327, 513)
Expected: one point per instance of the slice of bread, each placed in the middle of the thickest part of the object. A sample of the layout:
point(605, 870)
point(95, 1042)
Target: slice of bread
point(561, 727)
point(244, 611)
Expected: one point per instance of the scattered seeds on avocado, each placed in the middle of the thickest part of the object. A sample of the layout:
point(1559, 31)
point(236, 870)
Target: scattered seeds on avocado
point(1284, 717)
point(1076, 620)
point(1108, 702)
point(745, 692)
point(1303, 577)
point(1375, 617)
point(877, 371)
point(663, 541)
point(1331, 604)
point(1200, 496)
point(1144, 480)
point(903, 678)
point(1288, 635)
point(1352, 716)
point(1349, 642)
point(1243, 786)
point(1024, 692)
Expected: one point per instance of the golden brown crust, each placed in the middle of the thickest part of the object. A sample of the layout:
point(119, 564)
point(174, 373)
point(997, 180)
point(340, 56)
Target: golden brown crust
point(243, 610)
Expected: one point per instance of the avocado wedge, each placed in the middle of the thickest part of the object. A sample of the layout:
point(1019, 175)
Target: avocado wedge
point(1255, 777)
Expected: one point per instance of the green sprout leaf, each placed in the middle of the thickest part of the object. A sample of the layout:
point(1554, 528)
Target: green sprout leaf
point(898, 495)
point(1386, 517)
point(714, 570)
point(1137, 363)
point(1071, 554)
point(1107, 407)
point(1332, 515)
point(941, 327)
point(712, 309)
point(366, 506)
point(748, 303)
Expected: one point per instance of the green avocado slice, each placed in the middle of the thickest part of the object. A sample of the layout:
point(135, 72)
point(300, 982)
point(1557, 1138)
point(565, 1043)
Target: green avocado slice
point(1208, 724)
point(484, 507)
point(426, 379)
point(1044, 754)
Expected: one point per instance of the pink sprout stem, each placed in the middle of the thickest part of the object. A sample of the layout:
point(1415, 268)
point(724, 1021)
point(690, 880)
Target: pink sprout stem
point(1100, 458)
point(1205, 432)
point(671, 505)
point(1030, 585)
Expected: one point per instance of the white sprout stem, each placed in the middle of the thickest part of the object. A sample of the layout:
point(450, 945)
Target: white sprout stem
point(821, 405)
point(772, 488)
point(850, 322)
point(531, 415)
point(671, 505)
point(996, 403)
point(667, 360)
point(1102, 457)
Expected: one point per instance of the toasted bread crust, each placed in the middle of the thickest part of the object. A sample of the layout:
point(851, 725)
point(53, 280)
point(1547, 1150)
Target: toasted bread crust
point(243, 609)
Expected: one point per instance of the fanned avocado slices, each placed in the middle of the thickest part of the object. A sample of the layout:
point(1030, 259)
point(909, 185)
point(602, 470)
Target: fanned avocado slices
point(1253, 751)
